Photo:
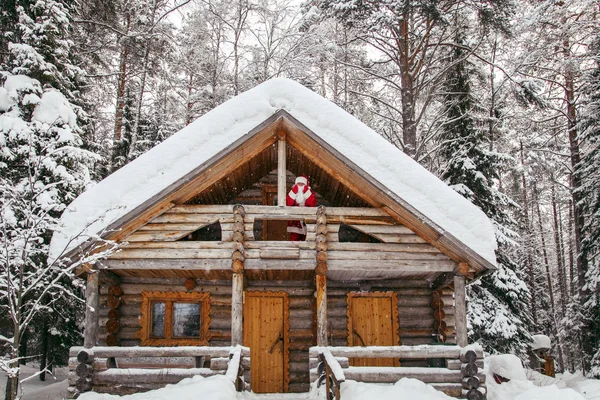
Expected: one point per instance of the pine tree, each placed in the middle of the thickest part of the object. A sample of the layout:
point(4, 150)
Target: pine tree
point(589, 173)
point(42, 167)
point(497, 304)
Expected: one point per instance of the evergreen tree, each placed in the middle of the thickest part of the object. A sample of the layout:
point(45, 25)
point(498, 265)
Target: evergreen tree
point(497, 304)
point(589, 172)
point(42, 169)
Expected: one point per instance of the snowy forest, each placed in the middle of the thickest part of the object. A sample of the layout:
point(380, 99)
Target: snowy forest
point(498, 98)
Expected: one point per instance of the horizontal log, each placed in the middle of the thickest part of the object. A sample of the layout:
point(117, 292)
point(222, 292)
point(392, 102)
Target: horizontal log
point(132, 253)
point(387, 229)
point(281, 254)
point(144, 375)
point(191, 244)
point(395, 238)
point(178, 226)
point(182, 351)
point(384, 255)
point(383, 283)
point(179, 264)
point(177, 218)
point(155, 236)
point(408, 352)
point(280, 265)
point(394, 374)
point(420, 266)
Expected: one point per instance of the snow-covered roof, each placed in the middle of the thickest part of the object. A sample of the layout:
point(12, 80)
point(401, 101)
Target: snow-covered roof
point(129, 187)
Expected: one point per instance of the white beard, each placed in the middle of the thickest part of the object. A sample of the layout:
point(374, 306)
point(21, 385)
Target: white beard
point(300, 199)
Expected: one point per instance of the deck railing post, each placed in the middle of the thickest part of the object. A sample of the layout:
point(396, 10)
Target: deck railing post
point(90, 335)
point(237, 280)
point(321, 277)
point(460, 304)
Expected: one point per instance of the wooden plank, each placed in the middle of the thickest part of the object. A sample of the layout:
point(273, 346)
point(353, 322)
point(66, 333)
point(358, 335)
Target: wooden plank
point(387, 229)
point(460, 307)
point(400, 265)
point(287, 265)
point(321, 286)
point(421, 352)
point(377, 247)
point(385, 255)
point(169, 226)
point(394, 374)
point(90, 335)
point(156, 236)
point(284, 254)
point(237, 292)
point(281, 171)
point(129, 253)
point(166, 264)
point(192, 244)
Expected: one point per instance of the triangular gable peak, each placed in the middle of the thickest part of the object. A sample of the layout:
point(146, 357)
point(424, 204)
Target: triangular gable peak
point(337, 161)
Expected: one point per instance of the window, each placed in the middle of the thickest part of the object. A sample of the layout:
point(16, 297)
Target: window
point(175, 318)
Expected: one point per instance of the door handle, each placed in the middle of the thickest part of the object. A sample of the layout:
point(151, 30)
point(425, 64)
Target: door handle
point(359, 337)
point(279, 339)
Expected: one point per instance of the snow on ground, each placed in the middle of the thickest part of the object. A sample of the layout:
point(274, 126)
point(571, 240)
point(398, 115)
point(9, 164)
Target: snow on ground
point(405, 388)
point(524, 385)
point(519, 387)
point(34, 389)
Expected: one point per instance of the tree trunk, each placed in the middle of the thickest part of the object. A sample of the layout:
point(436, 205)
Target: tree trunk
point(559, 260)
point(23, 348)
point(140, 99)
point(44, 350)
point(571, 245)
point(12, 382)
point(526, 230)
point(407, 93)
point(578, 215)
point(121, 83)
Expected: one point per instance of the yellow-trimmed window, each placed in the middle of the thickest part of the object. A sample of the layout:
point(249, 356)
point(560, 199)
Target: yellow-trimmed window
point(175, 318)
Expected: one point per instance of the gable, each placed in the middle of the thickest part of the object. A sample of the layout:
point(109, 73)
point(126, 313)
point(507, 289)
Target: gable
point(201, 155)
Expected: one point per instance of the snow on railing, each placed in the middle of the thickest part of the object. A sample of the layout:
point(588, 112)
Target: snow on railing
point(330, 370)
point(115, 369)
point(457, 372)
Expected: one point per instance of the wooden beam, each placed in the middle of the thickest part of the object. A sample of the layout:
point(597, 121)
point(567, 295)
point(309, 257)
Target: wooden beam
point(321, 284)
point(281, 171)
point(237, 292)
point(460, 313)
point(321, 277)
point(90, 335)
point(237, 280)
point(420, 352)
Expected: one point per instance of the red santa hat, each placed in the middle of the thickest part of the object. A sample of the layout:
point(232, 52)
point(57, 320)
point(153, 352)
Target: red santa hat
point(301, 179)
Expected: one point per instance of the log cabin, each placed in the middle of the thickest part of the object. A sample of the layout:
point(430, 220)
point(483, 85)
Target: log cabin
point(204, 262)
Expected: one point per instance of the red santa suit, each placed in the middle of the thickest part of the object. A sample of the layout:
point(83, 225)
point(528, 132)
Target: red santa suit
point(301, 195)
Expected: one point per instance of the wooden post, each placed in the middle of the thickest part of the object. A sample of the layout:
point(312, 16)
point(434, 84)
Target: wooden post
point(237, 281)
point(281, 171)
point(90, 337)
point(321, 277)
point(460, 304)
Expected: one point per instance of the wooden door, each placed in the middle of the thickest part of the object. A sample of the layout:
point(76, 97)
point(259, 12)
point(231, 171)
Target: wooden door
point(266, 333)
point(373, 321)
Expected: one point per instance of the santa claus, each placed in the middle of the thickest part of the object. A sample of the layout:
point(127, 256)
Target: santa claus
point(301, 195)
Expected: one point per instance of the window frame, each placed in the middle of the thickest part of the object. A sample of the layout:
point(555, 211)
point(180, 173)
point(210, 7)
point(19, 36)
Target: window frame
point(170, 298)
